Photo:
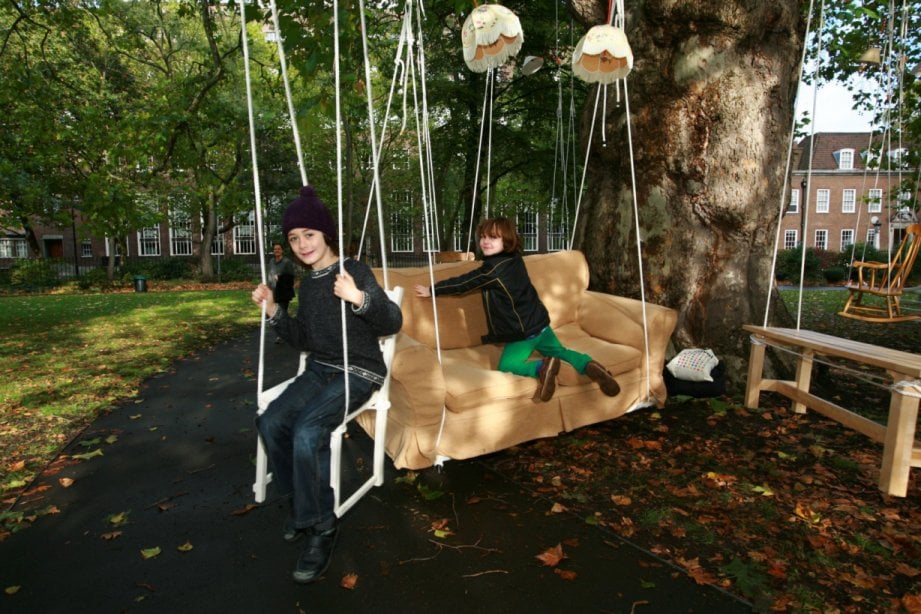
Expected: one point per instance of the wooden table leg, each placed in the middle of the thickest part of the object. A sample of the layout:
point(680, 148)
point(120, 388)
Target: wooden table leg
point(755, 372)
point(897, 448)
point(803, 377)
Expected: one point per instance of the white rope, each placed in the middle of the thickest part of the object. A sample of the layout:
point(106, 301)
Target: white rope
point(789, 163)
point(588, 150)
point(339, 207)
point(476, 170)
point(257, 191)
point(639, 244)
point(284, 76)
point(815, 93)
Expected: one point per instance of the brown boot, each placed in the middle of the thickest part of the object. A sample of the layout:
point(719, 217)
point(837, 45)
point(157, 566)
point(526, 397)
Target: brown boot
point(546, 377)
point(603, 378)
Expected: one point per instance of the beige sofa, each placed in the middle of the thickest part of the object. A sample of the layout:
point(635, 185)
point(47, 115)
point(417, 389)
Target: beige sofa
point(484, 410)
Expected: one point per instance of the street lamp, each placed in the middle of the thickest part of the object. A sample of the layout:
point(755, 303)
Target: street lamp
point(876, 224)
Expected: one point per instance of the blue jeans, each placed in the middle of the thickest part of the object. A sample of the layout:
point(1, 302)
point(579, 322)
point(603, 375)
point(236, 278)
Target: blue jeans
point(295, 429)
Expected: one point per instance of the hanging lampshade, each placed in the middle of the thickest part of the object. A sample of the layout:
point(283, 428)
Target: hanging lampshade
point(870, 56)
point(603, 55)
point(491, 35)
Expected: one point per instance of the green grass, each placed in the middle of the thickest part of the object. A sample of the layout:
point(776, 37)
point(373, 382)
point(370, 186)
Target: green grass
point(67, 357)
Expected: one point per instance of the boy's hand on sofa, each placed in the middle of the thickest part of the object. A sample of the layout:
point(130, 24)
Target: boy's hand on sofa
point(422, 291)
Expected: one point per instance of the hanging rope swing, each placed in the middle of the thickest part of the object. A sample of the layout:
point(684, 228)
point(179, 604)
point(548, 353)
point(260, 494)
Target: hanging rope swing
point(379, 400)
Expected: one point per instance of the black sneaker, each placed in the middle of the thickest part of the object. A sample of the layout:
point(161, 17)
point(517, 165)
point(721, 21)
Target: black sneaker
point(603, 378)
point(291, 533)
point(546, 377)
point(317, 554)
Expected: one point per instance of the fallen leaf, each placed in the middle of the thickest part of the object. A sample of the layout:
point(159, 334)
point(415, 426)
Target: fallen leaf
point(621, 500)
point(551, 557)
point(118, 519)
point(186, 547)
point(66, 482)
point(111, 439)
point(565, 574)
point(135, 416)
point(149, 553)
point(88, 455)
point(244, 510)
point(111, 535)
point(558, 508)
point(11, 590)
point(349, 581)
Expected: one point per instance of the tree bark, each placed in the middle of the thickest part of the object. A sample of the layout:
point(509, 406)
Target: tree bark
point(711, 97)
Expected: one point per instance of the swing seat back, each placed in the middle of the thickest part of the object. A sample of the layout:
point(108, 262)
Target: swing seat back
point(885, 280)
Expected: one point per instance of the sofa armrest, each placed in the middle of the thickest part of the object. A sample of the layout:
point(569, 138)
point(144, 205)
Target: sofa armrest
point(618, 319)
point(417, 383)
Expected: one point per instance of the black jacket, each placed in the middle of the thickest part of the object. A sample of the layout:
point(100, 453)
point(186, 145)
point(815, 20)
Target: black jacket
point(513, 309)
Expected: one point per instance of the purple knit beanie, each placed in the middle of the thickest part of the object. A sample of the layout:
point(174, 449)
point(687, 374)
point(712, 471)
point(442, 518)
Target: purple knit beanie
point(308, 211)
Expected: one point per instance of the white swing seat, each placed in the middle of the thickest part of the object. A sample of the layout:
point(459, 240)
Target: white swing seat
point(378, 402)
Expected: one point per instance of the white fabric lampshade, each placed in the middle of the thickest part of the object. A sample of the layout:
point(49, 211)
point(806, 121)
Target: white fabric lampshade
point(490, 36)
point(603, 55)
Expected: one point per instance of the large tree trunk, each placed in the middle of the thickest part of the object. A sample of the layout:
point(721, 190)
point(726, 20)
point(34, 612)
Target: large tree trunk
point(711, 98)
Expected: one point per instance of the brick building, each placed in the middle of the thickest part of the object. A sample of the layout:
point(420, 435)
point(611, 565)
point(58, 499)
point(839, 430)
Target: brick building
point(853, 192)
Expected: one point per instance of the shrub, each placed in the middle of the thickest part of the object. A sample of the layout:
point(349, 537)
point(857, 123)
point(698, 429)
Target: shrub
point(834, 274)
point(788, 264)
point(233, 269)
point(94, 278)
point(34, 274)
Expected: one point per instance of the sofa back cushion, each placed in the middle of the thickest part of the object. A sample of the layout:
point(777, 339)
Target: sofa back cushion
point(559, 277)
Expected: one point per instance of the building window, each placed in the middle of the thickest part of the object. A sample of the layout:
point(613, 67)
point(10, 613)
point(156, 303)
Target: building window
point(875, 200)
point(244, 235)
point(848, 201)
point(847, 238)
point(14, 247)
point(790, 239)
point(822, 197)
point(180, 233)
point(149, 241)
point(845, 158)
point(459, 236)
point(527, 230)
point(401, 232)
point(556, 236)
point(821, 239)
point(86, 248)
point(794, 201)
point(217, 244)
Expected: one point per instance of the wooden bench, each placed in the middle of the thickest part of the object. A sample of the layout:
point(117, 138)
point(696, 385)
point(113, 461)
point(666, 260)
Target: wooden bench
point(900, 452)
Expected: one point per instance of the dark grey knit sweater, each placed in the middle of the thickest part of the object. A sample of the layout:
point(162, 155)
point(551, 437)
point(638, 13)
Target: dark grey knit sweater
point(317, 327)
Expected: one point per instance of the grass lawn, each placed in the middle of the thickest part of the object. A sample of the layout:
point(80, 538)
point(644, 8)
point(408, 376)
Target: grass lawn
point(68, 357)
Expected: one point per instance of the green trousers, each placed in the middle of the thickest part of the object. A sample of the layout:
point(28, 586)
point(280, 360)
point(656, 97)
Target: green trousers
point(516, 355)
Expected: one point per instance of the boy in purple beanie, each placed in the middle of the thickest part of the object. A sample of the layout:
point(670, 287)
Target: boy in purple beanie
point(296, 426)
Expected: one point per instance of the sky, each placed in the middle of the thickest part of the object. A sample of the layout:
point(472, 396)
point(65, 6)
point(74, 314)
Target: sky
point(833, 109)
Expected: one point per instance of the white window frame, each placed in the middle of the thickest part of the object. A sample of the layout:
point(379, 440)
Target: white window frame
point(14, 247)
point(875, 200)
point(847, 238)
point(793, 206)
point(244, 235)
point(849, 200)
point(528, 223)
point(402, 239)
point(86, 248)
point(822, 200)
point(180, 233)
point(845, 158)
point(821, 239)
point(790, 238)
point(217, 244)
point(149, 241)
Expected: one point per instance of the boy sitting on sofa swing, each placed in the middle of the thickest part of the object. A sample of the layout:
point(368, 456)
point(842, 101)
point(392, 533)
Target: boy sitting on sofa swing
point(515, 314)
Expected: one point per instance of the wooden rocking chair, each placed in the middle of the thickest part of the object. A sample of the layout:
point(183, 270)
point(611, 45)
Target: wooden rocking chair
point(886, 280)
